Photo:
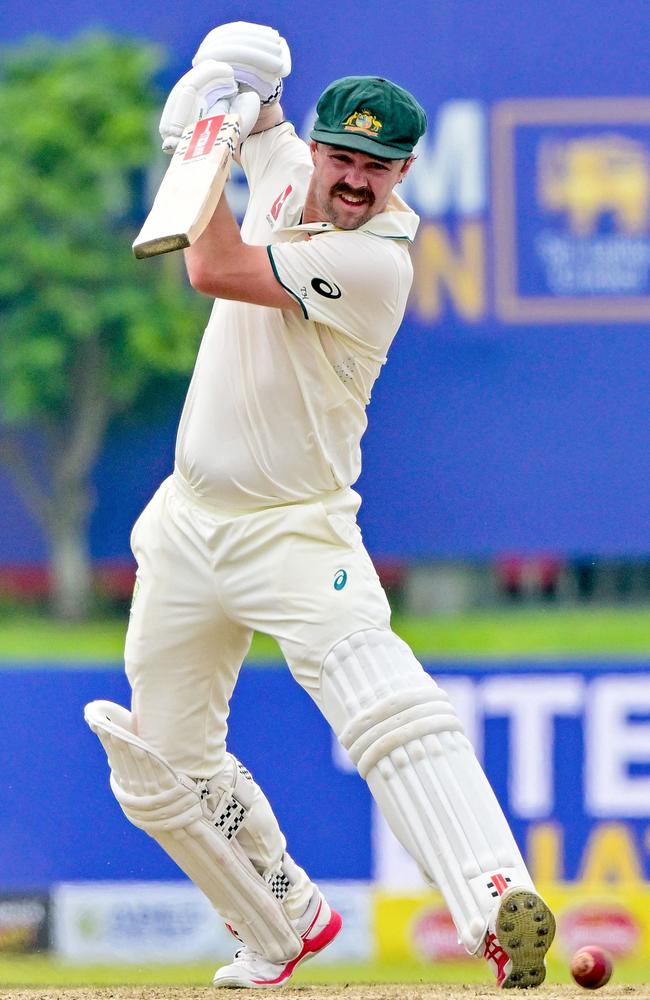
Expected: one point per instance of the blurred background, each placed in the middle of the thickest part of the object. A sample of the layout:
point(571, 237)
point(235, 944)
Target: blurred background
point(505, 485)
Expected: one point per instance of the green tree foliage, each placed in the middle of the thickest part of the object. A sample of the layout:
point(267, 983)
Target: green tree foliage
point(86, 331)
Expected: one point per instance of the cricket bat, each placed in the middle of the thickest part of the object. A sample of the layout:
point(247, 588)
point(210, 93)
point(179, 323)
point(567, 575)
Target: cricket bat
point(191, 187)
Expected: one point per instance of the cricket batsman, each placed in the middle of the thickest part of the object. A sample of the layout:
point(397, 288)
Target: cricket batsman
point(256, 530)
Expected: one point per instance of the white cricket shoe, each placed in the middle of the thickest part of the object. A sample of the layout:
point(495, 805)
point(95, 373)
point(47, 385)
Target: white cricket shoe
point(519, 934)
point(249, 970)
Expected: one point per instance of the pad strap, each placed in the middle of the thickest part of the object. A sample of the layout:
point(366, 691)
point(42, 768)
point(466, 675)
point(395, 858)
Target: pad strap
point(234, 802)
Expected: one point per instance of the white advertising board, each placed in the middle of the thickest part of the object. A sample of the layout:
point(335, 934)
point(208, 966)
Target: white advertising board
point(155, 922)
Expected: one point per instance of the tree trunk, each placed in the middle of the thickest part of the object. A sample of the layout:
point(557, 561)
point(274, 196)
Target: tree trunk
point(70, 564)
point(56, 487)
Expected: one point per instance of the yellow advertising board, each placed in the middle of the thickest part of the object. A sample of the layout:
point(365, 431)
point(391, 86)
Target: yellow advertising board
point(416, 927)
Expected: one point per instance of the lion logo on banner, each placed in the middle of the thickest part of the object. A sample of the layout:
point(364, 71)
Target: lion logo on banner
point(589, 177)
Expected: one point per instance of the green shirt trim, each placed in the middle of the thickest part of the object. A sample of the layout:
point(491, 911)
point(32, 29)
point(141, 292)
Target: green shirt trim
point(281, 282)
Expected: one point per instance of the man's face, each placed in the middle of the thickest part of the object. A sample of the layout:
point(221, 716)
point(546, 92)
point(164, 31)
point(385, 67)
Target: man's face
point(348, 187)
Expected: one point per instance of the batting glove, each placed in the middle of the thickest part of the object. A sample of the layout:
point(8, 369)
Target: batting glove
point(259, 56)
point(205, 86)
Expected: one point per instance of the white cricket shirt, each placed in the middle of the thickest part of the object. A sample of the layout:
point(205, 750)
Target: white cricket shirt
point(275, 410)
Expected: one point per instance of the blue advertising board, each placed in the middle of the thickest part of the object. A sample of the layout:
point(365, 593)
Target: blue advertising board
point(565, 745)
point(512, 415)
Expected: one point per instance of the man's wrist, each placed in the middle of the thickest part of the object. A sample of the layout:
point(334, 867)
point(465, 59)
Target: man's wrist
point(268, 118)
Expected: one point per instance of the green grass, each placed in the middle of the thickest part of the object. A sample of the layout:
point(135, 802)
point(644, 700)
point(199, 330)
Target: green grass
point(545, 632)
point(39, 971)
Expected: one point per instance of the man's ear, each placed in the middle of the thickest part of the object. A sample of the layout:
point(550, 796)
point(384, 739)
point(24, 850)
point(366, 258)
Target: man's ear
point(313, 149)
point(406, 166)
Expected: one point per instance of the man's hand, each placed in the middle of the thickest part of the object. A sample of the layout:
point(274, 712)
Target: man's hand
point(259, 56)
point(193, 96)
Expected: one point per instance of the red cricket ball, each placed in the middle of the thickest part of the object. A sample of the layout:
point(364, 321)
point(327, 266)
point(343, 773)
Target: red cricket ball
point(591, 967)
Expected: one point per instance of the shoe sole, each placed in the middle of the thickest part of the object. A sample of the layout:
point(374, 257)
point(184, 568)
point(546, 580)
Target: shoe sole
point(525, 927)
point(310, 950)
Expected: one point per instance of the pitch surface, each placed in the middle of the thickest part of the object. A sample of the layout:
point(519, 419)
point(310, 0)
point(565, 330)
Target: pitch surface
point(356, 991)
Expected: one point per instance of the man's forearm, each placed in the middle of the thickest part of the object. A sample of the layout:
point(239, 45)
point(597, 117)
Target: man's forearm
point(216, 254)
point(221, 265)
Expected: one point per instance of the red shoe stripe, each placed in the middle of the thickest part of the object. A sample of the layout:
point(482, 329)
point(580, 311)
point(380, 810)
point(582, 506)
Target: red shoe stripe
point(494, 953)
point(316, 944)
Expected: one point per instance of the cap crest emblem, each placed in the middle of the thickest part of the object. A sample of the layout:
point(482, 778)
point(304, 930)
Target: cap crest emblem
point(363, 121)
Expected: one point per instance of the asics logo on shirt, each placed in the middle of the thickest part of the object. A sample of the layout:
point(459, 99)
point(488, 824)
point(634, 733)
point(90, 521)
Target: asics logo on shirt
point(326, 288)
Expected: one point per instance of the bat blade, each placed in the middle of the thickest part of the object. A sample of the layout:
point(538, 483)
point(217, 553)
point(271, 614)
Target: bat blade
point(192, 185)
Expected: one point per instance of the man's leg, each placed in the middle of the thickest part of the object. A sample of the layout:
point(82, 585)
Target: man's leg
point(406, 740)
point(170, 769)
point(332, 620)
point(182, 652)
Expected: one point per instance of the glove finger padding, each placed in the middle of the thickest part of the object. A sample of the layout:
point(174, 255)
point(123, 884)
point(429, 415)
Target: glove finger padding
point(259, 55)
point(269, 63)
point(192, 97)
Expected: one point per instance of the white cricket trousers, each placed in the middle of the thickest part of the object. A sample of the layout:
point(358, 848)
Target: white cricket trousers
point(206, 580)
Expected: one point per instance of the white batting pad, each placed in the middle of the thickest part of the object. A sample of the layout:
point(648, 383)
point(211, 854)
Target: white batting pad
point(403, 734)
point(169, 808)
point(259, 833)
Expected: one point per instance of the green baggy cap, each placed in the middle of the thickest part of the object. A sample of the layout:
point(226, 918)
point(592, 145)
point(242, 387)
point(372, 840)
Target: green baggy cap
point(370, 114)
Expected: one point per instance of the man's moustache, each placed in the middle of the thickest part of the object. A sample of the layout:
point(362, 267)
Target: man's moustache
point(364, 193)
